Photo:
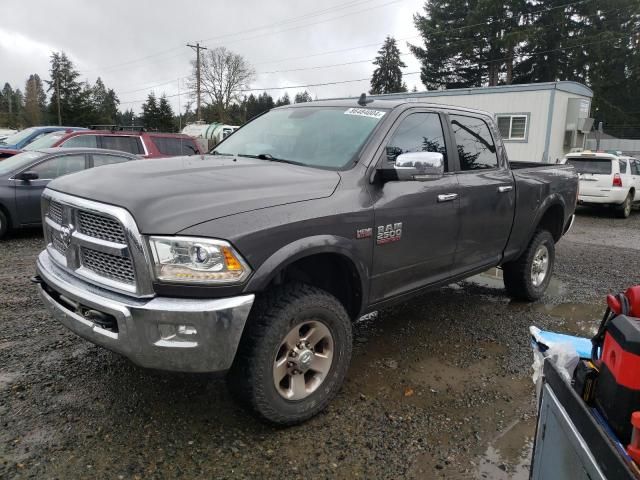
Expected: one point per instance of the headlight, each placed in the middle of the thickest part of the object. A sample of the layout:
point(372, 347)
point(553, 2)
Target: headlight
point(197, 260)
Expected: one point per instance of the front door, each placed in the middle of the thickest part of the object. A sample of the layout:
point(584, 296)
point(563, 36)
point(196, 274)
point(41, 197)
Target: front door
point(416, 222)
point(28, 193)
point(487, 194)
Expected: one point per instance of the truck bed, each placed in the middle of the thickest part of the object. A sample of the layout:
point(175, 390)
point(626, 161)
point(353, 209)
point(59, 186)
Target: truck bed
point(518, 165)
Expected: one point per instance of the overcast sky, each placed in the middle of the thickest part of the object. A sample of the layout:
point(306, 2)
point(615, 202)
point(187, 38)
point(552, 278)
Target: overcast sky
point(139, 46)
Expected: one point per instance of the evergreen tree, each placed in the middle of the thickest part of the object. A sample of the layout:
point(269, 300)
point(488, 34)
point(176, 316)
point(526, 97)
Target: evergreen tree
point(302, 97)
point(7, 106)
point(387, 77)
point(284, 100)
point(35, 100)
point(104, 103)
point(254, 106)
point(150, 112)
point(165, 115)
point(64, 82)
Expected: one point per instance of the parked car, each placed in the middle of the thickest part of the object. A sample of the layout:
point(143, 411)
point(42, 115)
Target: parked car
point(16, 142)
point(257, 259)
point(136, 141)
point(607, 179)
point(24, 176)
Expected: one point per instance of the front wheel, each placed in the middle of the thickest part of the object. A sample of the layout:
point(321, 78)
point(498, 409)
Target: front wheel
point(294, 354)
point(528, 277)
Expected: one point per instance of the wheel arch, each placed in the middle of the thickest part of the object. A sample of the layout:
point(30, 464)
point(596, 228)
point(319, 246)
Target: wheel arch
point(326, 261)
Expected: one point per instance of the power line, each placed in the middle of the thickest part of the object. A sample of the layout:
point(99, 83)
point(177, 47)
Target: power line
point(341, 82)
point(310, 14)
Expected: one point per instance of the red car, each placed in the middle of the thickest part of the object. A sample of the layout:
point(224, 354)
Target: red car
point(136, 141)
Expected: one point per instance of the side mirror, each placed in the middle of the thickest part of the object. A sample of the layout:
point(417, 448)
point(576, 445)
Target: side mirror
point(419, 166)
point(27, 176)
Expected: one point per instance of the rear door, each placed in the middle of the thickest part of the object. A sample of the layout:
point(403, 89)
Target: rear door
point(596, 175)
point(28, 193)
point(487, 193)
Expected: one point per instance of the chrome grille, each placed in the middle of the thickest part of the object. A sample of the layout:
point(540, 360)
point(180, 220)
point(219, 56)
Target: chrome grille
point(55, 212)
point(98, 242)
point(106, 265)
point(99, 226)
point(57, 244)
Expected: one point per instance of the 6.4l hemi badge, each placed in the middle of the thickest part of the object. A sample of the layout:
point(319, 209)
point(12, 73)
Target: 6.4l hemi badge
point(389, 233)
point(364, 233)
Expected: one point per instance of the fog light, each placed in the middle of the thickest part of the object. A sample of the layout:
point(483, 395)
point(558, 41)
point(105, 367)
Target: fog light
point(176, 332)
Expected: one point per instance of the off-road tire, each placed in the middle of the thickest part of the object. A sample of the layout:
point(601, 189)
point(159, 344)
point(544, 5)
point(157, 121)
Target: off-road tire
point(273, 315)
point(517, 274)
point(4, 225)
point(624, 210)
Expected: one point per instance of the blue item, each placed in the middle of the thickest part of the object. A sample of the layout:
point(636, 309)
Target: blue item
point(543, 339)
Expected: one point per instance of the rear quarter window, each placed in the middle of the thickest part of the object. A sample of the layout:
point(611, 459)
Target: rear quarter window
point(596, 166)
point(174, 146)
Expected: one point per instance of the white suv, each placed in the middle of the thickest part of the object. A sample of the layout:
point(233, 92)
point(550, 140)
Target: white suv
point(607, 179)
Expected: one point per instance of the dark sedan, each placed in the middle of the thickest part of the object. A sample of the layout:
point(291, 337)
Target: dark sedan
point(23, 177)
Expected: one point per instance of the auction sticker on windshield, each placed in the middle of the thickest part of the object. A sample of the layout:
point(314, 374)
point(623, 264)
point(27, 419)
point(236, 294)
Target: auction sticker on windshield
point(365, 112)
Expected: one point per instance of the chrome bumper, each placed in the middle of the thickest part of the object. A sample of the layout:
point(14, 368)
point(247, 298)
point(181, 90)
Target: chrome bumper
point(188, 335)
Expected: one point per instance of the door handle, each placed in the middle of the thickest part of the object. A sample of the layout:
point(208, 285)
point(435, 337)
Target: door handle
point(505, 188)
point(447, 197)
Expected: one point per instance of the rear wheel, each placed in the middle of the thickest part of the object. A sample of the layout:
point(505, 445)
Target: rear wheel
point(4, 224)
point(528, 277)
point(294, 354)
point(624, 210)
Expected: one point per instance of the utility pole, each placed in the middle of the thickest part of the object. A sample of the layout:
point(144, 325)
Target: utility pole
point(58, 97)
point(197, 48)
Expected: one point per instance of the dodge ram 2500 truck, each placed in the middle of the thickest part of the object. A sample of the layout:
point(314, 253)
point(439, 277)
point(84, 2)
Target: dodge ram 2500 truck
point(256, 259)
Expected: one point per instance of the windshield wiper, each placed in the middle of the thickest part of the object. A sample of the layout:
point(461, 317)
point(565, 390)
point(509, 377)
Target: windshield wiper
point(271, 158)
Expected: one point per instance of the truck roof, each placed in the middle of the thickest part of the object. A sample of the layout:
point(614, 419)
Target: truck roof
point(390, 104)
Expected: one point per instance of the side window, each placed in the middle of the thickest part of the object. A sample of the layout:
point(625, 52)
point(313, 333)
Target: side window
point(623, 166)
point(58, 166)
point(85, 141)
point(174, 146)
point(476, 149)
point(635, 167)
point(100, 159)
point(123, 143)
point(419, 132)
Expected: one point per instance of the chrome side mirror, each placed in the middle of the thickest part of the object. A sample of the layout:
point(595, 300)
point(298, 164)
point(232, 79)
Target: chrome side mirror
point(419, 166)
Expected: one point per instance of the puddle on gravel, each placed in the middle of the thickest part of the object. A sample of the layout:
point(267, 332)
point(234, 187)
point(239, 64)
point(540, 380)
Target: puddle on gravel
point(506, 456)
point(578, 318)
point(493, 278)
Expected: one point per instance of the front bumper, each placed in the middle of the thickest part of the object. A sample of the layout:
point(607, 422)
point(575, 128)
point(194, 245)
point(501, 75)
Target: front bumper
point(187, 335)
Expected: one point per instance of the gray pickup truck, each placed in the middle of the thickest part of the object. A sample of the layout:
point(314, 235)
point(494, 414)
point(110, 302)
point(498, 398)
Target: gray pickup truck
point(256, 259)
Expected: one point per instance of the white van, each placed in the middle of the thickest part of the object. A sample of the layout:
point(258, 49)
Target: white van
point(607, 179)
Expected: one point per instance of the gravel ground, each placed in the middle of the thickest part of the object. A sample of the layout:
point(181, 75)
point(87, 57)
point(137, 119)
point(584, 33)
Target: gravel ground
point(439, 387)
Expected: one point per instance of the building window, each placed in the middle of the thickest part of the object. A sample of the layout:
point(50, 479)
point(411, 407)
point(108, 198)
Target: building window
point(513, 127)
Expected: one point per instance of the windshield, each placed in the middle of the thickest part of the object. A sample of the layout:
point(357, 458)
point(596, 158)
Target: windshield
point(17, 137)
point(324, 137)
point(46, 141)
point(597, 166)
point(18, 161)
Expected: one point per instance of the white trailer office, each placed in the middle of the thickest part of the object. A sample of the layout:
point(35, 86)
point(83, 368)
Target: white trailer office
point(538, 121)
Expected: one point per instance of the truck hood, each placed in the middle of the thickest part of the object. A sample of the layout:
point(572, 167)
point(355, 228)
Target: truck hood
point(168, 195)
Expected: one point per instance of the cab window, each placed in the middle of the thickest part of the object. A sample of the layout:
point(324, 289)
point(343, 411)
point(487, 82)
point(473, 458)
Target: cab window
point(418, 132)
point(476, 149)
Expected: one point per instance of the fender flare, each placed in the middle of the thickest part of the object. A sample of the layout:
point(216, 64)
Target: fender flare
point(551, 201)
point(306, 247)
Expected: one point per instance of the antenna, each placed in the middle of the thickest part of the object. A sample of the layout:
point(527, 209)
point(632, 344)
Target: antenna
point(363, 100)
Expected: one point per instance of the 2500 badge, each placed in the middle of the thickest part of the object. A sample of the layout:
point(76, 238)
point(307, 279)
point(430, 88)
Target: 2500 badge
point(389, 233)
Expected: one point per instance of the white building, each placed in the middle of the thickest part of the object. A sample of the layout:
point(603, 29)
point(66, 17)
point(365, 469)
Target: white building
point(538, 121)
